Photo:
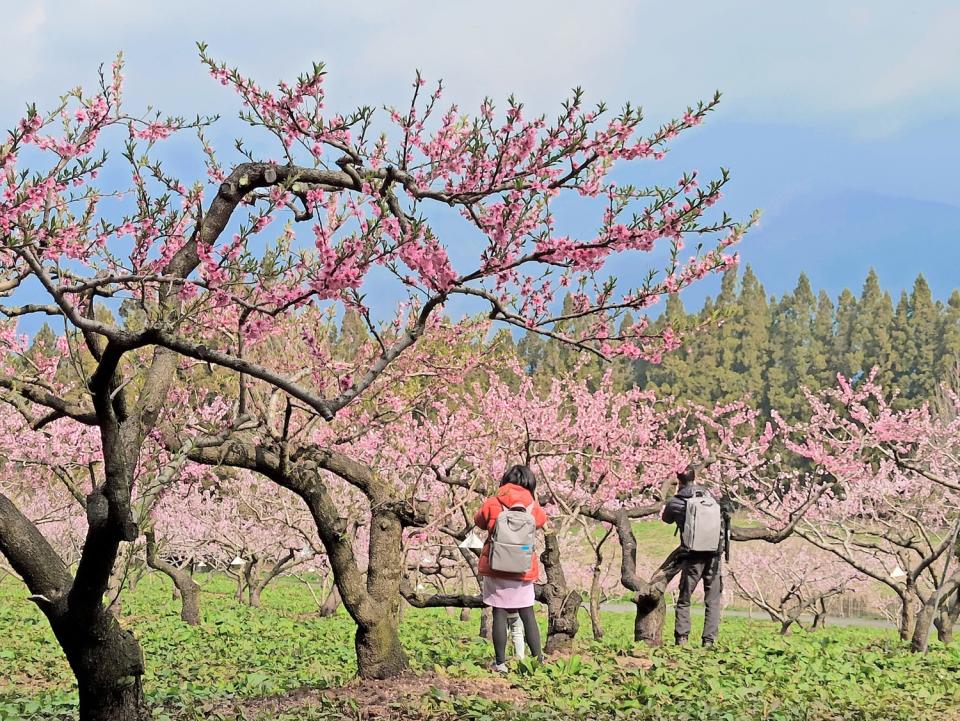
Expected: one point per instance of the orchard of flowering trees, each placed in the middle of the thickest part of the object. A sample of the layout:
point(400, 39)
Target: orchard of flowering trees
point(224, 385)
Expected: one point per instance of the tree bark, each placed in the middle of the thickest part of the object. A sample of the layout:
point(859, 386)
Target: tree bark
point(651, 614)
point(945, 623)
point(937, 607)
point(947, 618)
point(377, 610)
point(105, 659)
point(183, 582)
point(923, 624)
point(114, 590)
point(486, 624)
point(908, 615)
point(331, 603)
point(820, 615)
point(648, 595)
point(251, 572)
point(563, 604)
point(379, 653)
point(374, 601)
point(418, 599)
point(241, 584)
point(256, 581)
point(465, 615)
point(595, 623)
point(108, 664)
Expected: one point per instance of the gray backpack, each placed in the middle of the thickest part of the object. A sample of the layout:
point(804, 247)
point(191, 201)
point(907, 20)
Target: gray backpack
point(703, 525)
point(512, 539)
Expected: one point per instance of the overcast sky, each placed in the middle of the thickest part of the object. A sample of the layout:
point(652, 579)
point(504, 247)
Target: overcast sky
point(839, 118)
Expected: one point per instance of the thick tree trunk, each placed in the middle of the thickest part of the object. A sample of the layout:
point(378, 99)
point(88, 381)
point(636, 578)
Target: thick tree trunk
point(923, 625)
point(105, 659)
point(379, 653)
point(937, 609)
point(908, 615)
point(331, 603)
point(651, 613)
point(183, 583)
point(241, 585)
point(947, 617)
point(251, 572)
point(785, 627)
point(562, 603)
point(108, 664)
point(190, 603)
point(944, 623)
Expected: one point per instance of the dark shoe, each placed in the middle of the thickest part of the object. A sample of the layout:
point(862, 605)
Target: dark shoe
point(681, 640)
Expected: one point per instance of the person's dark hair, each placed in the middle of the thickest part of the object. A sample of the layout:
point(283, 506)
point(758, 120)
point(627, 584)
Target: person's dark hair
point(520, 476)
point(687, 475)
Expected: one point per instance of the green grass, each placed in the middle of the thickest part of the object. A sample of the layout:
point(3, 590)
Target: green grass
point(656, 538)
point(240, 653)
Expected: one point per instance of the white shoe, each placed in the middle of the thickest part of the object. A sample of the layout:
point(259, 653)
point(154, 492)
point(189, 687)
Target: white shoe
point(499, 667)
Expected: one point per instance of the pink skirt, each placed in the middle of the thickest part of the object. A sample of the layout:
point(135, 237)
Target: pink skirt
point(507, 593)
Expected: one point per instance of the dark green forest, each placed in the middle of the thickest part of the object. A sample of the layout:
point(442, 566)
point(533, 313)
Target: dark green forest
point(747, 344)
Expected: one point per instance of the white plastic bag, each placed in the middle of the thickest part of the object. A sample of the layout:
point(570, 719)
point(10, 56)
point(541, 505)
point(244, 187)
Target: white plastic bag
point(472, 541)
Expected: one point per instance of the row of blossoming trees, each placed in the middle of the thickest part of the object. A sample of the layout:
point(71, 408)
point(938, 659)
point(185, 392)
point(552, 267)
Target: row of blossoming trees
point(217, 394)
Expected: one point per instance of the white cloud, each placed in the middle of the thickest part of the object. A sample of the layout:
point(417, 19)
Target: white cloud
point(925, 67)
point(19, 37)
point(861, 63)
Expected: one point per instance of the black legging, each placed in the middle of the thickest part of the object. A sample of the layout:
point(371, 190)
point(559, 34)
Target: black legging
point(531, 632)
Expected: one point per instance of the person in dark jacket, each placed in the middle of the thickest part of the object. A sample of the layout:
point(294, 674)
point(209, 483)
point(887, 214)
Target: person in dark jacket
point(695, 566)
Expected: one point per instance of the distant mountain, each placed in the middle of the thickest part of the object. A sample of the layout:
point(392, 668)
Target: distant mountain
point(834, 203)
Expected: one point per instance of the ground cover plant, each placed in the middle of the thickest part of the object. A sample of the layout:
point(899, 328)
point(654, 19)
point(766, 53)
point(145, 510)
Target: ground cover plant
point(282, 661)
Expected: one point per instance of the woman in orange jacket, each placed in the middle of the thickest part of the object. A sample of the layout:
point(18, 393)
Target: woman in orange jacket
point(510, 592)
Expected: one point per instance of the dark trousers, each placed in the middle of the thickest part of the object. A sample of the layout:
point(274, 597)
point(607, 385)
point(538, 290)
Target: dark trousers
point(695, 567)
point(531, 632)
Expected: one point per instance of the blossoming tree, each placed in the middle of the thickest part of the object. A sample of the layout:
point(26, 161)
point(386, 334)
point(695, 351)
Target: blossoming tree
point(790, 582)
point(894, 514)
point(206, 275)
